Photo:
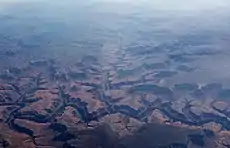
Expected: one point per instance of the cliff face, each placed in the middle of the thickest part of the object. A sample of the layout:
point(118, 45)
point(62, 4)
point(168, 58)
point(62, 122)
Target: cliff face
point(38, 111)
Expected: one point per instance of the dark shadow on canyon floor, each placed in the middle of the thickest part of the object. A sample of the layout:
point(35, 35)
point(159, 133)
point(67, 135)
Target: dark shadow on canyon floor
point(149, 136)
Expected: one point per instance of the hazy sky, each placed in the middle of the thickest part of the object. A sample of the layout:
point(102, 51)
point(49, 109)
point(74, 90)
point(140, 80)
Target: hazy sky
point(156, 4)
point(177, 4)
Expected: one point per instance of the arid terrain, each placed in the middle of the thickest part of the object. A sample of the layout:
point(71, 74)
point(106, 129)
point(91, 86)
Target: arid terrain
point(44, 105)
point(129, 81)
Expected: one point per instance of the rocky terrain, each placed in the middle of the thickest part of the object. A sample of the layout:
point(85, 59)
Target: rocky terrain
point(110, 102)
point(113, 75)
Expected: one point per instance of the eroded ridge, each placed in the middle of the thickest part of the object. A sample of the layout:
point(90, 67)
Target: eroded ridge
point(120, 97)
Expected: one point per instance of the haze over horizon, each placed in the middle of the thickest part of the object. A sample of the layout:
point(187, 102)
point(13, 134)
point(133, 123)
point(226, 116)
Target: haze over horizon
point(155, 4)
